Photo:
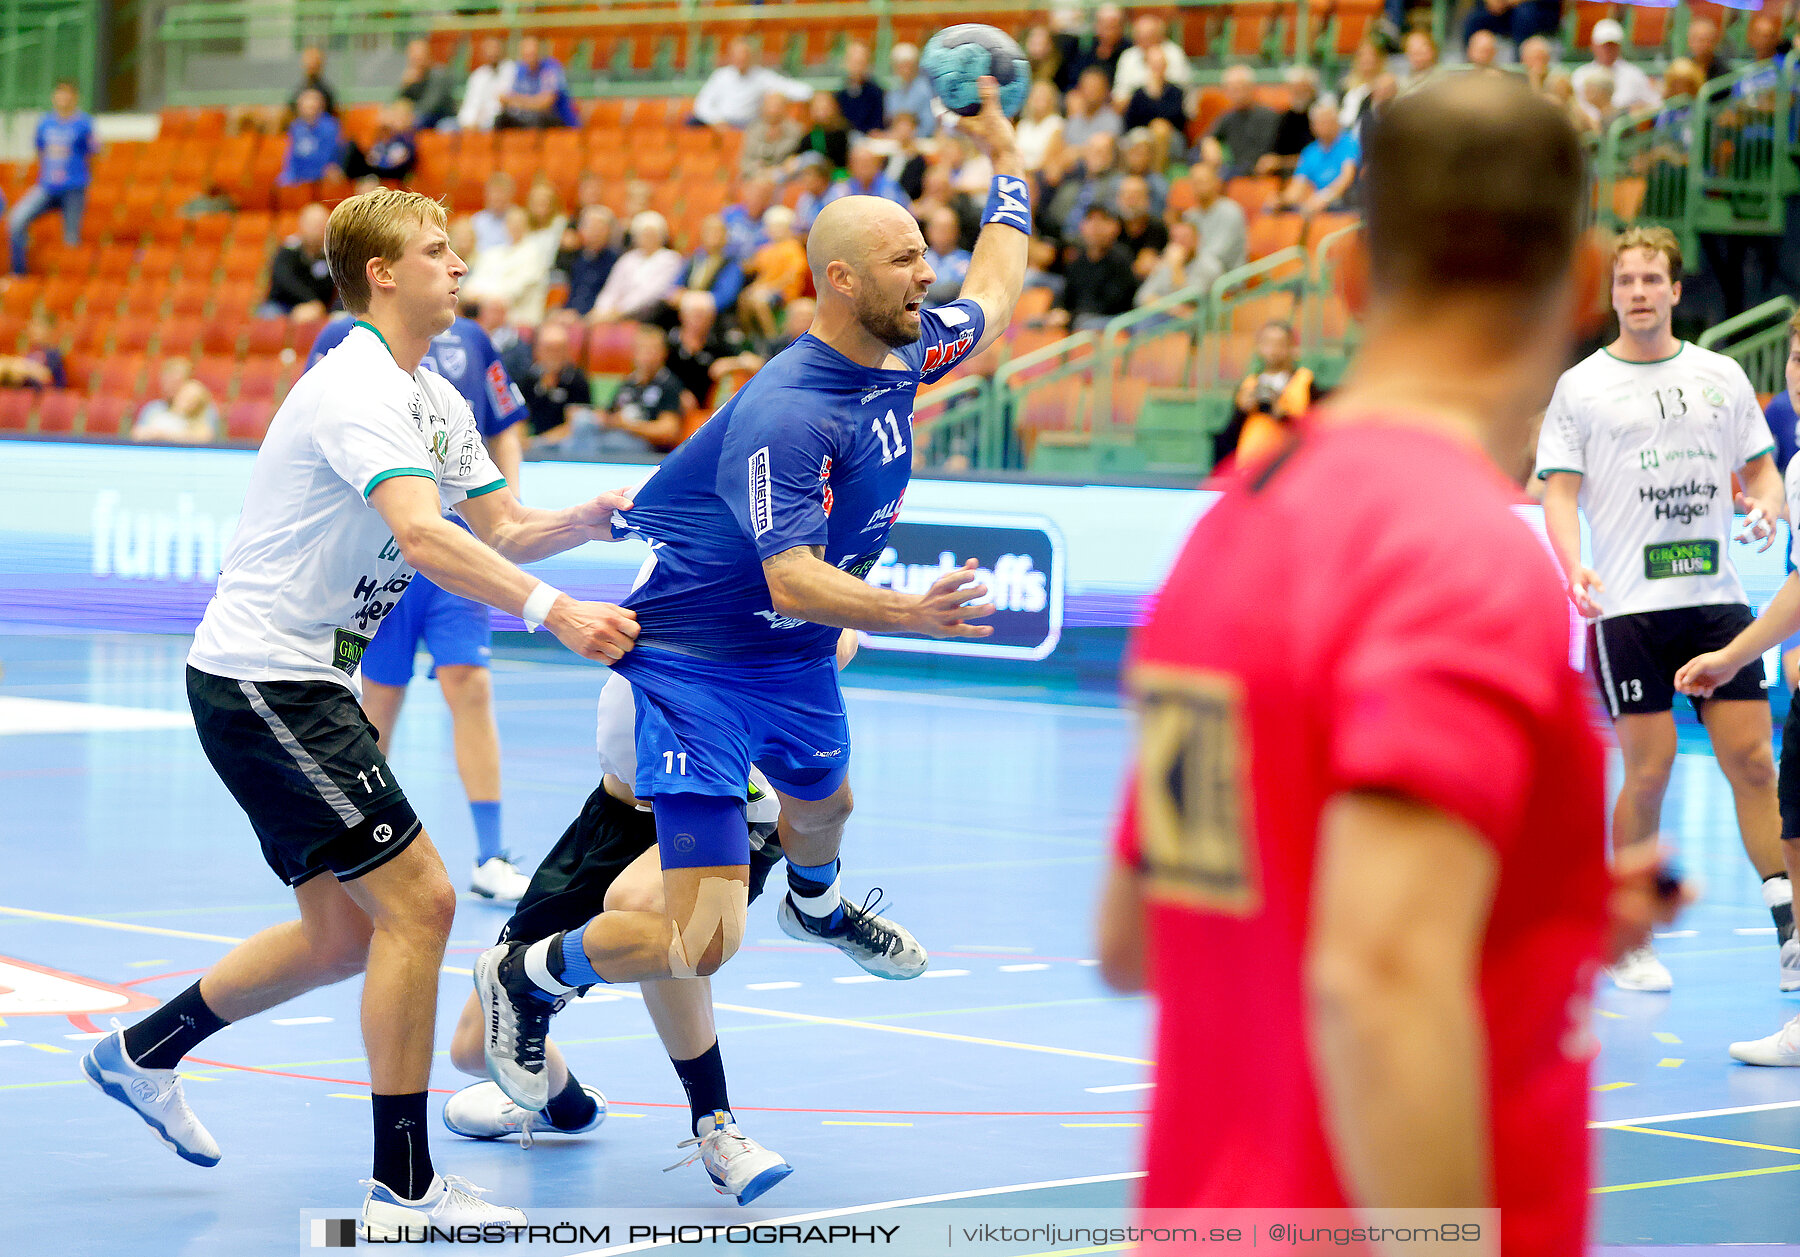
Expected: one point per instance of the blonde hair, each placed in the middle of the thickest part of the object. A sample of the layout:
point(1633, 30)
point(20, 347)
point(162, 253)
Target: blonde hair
point(1650, 240)
point(374, 224)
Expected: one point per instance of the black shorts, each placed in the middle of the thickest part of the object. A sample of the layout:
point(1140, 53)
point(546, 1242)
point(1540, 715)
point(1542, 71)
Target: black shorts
point(1787, 782)
point(569, 888)
point(301, 760)
point(1636, 657)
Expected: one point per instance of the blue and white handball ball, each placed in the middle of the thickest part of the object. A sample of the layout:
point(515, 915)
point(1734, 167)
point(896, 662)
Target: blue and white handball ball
point(957, 56)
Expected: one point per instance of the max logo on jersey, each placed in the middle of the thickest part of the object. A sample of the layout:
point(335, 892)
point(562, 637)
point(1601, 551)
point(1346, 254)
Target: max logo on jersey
point(946, 352)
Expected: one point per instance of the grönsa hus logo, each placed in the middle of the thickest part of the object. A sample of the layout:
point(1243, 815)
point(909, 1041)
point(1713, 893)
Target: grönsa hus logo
point(176, 544)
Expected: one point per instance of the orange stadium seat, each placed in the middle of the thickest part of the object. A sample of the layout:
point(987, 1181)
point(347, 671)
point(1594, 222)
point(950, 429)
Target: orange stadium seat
point(219, 374)
point(220, 336)
point(267, 337)
point(1062, 405)
point(16, 405)
point(609, 349)
point(1252, 192)
point(248, 420)
point(131, 335)
point(1270, 233)
point(191, 296)
point(58, 409)
point(109, 414)
point(261, 379)
point(178, 335)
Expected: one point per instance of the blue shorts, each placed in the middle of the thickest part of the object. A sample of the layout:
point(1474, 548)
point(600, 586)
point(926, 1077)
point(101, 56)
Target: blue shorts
point(454, 629)
point(702, 723)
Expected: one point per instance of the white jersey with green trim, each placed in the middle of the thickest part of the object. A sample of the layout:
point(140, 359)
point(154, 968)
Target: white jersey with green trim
point(312, 569)
point(1656, 444)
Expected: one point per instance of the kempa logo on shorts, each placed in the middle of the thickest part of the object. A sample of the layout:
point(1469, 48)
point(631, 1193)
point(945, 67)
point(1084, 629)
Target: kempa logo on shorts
point(383, 833)
point(762, 508)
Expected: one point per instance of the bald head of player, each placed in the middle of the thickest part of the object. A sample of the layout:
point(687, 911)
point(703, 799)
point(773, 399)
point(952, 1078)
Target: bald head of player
point(868, 265)
point(1474, 266)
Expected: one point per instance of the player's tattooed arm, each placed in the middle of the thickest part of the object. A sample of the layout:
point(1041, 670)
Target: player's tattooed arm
point(805, 587)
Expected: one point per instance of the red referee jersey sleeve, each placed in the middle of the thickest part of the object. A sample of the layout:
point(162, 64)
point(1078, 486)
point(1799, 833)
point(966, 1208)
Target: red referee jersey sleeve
point(1126, 850)
point(1450, 666)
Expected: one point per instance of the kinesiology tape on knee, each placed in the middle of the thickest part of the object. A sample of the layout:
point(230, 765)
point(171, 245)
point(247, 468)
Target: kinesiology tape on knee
point(697, 831)
point(719, 911)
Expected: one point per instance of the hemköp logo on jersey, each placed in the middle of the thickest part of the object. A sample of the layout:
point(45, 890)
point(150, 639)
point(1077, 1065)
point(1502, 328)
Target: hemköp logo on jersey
point(1019, 558)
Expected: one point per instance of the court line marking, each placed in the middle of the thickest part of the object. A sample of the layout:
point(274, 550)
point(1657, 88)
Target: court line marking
point(1699, 1113)
point(843, 1123)
point(1697, 1178)
point(128, 927)
point(1008, 706)
point(852, 1210)
point(1706, 1139)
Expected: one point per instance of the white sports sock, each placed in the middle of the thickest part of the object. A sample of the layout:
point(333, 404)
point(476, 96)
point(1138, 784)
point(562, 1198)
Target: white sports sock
point(820, 905)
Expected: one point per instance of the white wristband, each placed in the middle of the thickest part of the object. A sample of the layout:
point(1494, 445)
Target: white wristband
point(537, 606)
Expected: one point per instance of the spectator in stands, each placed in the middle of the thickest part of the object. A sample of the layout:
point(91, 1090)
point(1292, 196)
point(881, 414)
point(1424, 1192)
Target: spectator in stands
point(489, 221)
point(1684, 77)
point(1327, 169)
point(517, 271)
point(1039, 131)
point(829, 135)
point(906, 163)
point(1149, 33)
point(66, 145)
point(638, 194)
point(861, 100)
point(814, 179)
point(711, 270)
point(1241, 141)
point(487, 82)
point(537, 92)
point(1482, 50)
point(697, 346)
point(1137, 156)
point(1762, 36)
point(1043, 268)
point(1089, 110)
point(1536, 56)
point(945, 255)
point(1159, 107)
point(1596, 99)
point(491, 314)
point(184, 413)
point(865, 176)
point(743, 221)
point(1098, 281)
point(1271, 397)
point(299, 280)
point(770, 140)
point(312, 79)
point(732, 95)
point(1421, 52)
point(1180, 265)
point(1703, 47)
point(972, 169)
point(1048, 56)
point(1294, 132)
point(643, 277)
point(1632, 88)
point(1514, 20)
point(1386, 88)
point(215, 200)
point(556, 390)
point(315, 142)
point(1141, 230)
point(1217, 218)
point(392, 153)
point(590, 189)
point(644, 416)
point(800, 316)
point(462, 237)
point(1366, 65)
point(937, 193)
point(544, 216)
point(1093, 181)
point(589, 264)
point(41, 365)
point(1560, 88)
point(427, 87)
point(910, 92)
point(774, 277)
point(1107, 46)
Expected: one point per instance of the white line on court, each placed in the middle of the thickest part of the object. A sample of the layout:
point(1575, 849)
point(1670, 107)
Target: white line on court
point(300, 1021)
point(1699, 1113)
point(1010, 706)
point(1022, 968)
point(1119, 1086)
point(770, 986)
point(852, 1210)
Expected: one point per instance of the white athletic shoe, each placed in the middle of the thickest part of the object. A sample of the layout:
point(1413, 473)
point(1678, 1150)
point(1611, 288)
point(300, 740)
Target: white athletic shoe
point(498, 878)
point(738, 1166)
point(1641, 971)
point(1780, 1048)
point(154, 1095)
point(482, 1111)
point(515, 1025)
point(451, 1201)
point(1790, 964)
point(879, 945)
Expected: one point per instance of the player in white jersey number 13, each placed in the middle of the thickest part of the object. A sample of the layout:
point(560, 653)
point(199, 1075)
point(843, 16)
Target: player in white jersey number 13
point(1644, 436)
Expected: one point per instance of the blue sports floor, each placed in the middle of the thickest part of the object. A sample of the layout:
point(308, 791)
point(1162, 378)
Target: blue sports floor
point(1007, 1076)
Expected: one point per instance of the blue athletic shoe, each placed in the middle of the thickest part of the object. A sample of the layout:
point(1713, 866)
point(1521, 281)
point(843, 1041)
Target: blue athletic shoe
point(154, 1095)
point(738, 1166)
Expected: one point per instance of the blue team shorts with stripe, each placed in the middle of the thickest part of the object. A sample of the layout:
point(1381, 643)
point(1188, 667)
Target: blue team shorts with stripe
point(701, 724)
point(453, 629)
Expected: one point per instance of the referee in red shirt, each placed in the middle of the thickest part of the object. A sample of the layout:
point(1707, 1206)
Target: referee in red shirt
point(1362, 864)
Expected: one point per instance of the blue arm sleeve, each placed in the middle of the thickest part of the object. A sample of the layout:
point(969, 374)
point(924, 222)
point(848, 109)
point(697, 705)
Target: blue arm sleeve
point(329, 338)
point(772, 472)
point(950, 332)
point(501, 404)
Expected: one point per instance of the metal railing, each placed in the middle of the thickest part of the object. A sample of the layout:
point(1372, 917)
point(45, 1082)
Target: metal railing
point(1757, 340)
point(43, 42)
point(1070, 358)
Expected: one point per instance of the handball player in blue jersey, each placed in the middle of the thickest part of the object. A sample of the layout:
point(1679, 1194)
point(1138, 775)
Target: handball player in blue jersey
point(762, 527)
point(454, 630)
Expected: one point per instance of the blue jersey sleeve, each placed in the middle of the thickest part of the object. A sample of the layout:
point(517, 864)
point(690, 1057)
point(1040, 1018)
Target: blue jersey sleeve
point(329, 338)
point(951, 334)
point(501, 403)
point(774, 472)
